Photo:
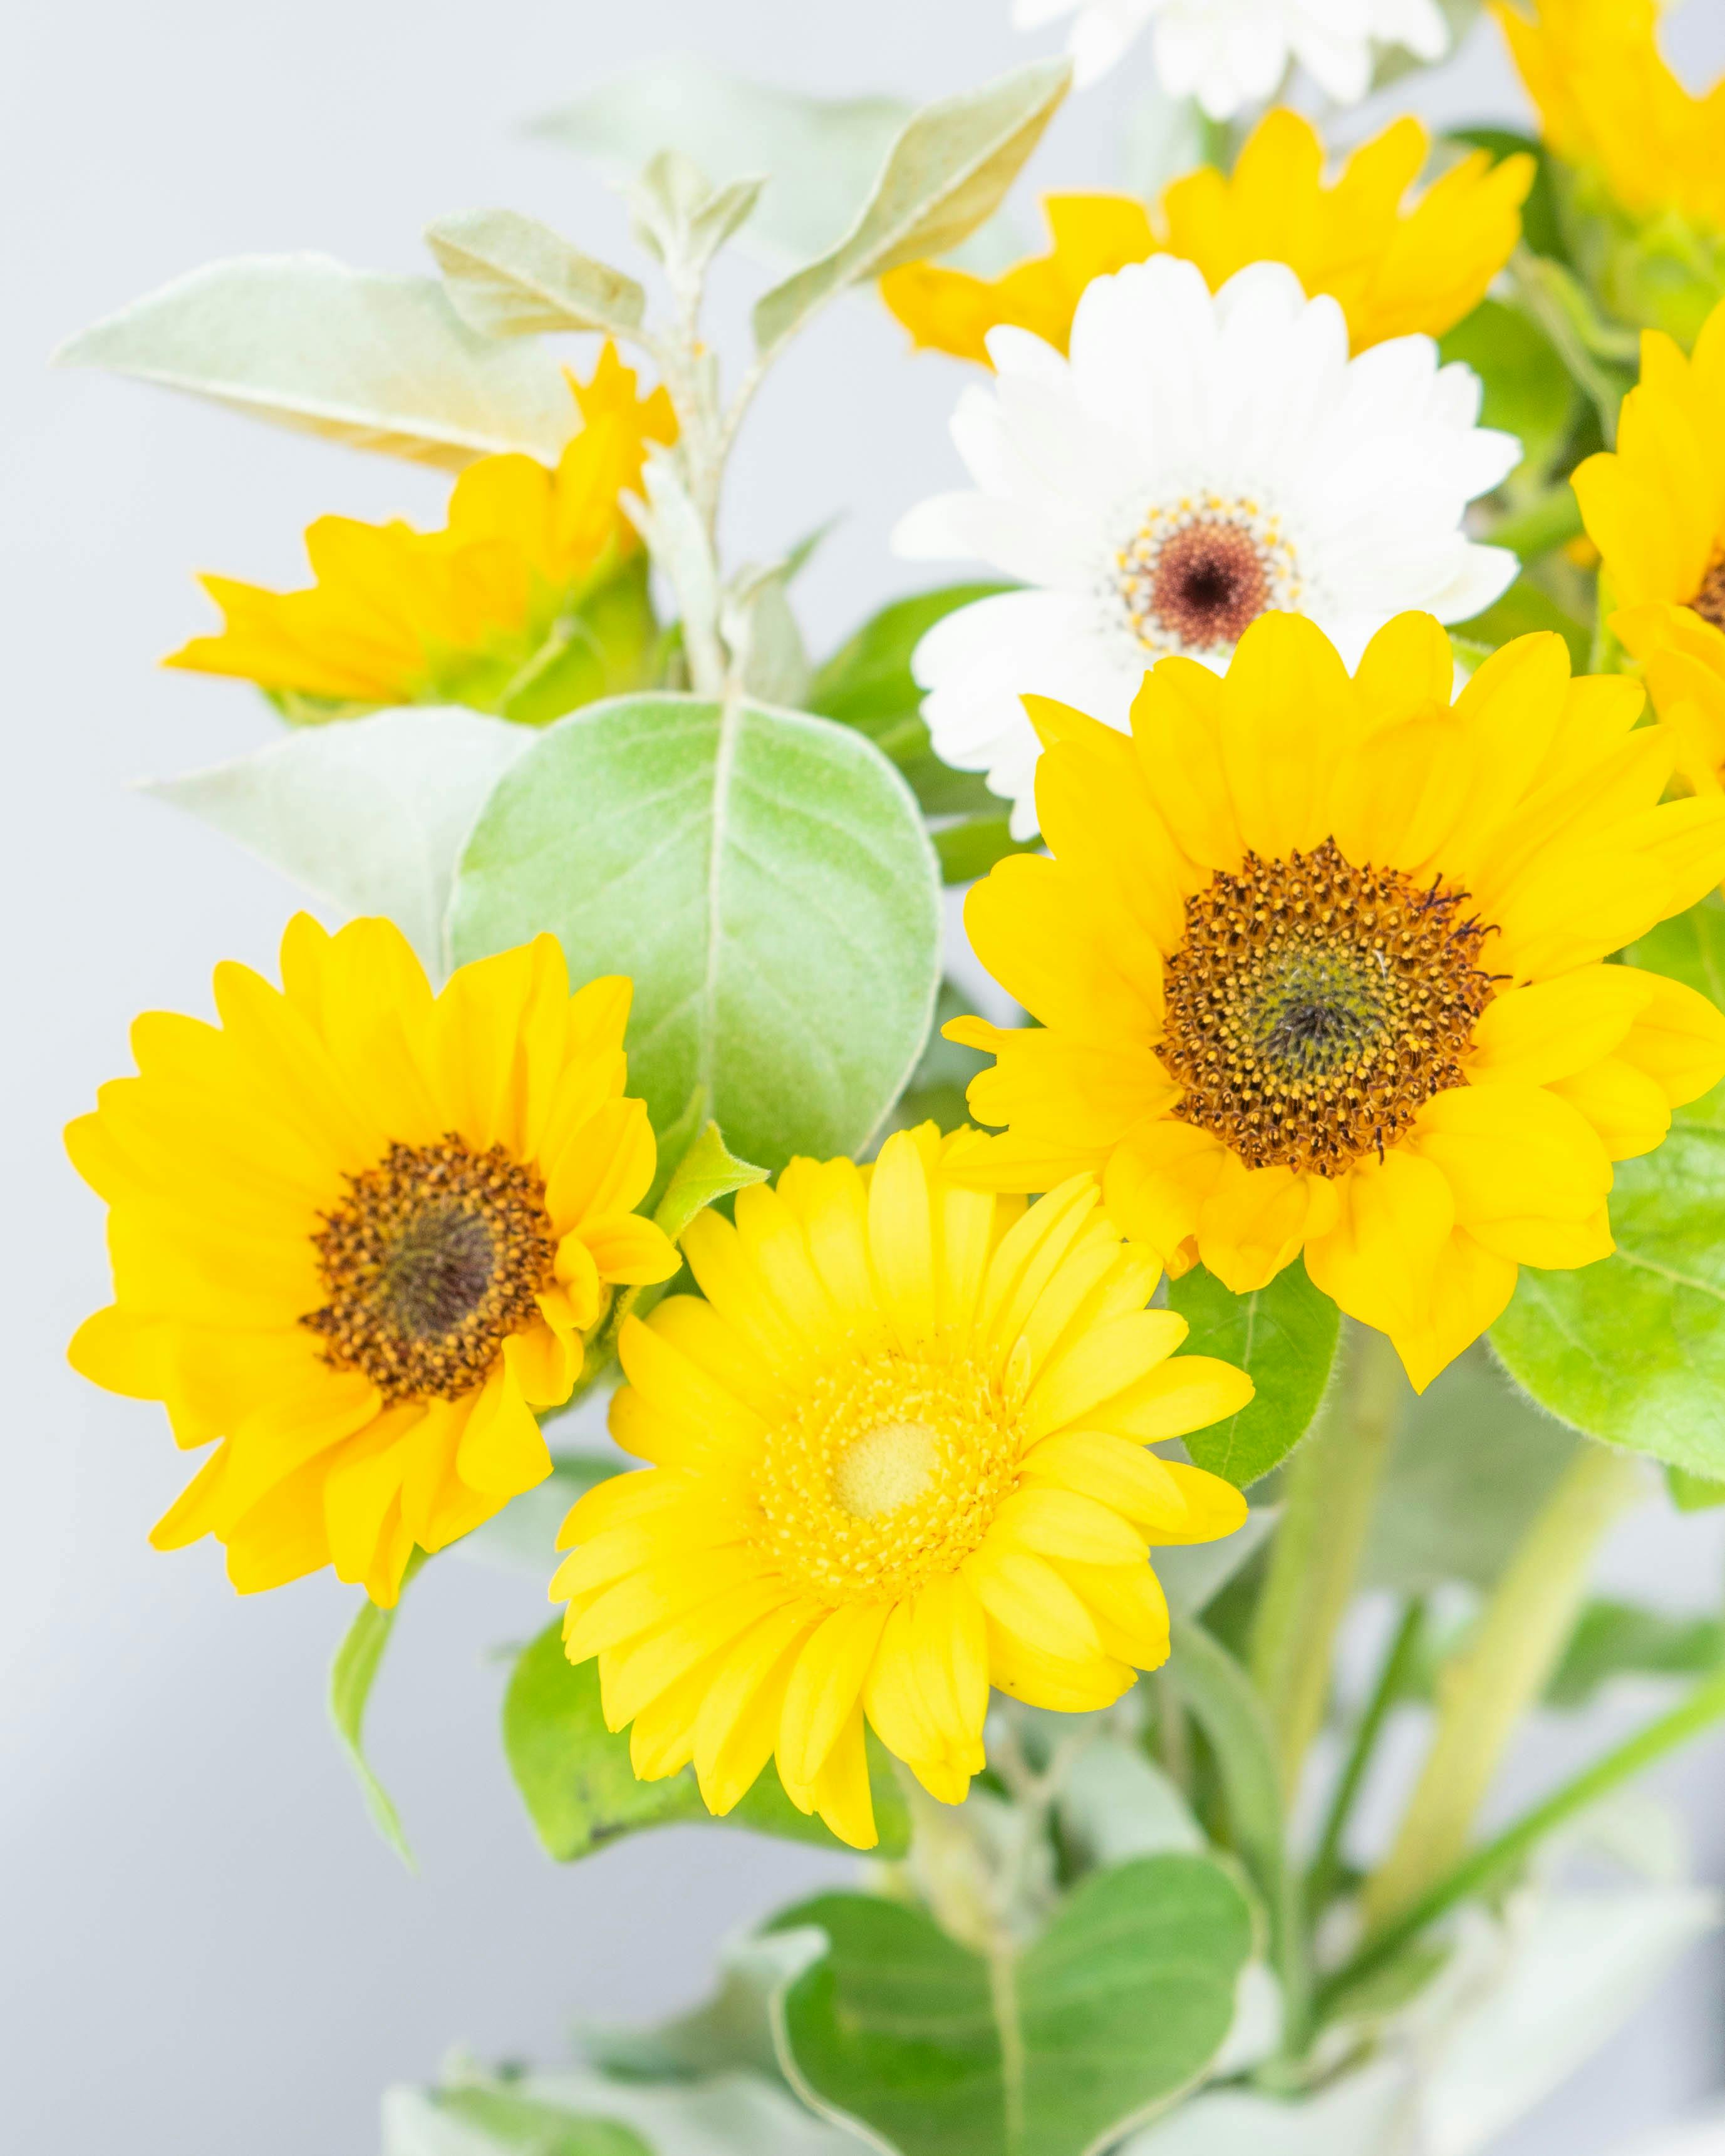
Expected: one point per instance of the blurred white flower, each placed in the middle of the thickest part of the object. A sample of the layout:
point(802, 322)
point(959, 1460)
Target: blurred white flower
point(1198, 460)
point(1228, 53)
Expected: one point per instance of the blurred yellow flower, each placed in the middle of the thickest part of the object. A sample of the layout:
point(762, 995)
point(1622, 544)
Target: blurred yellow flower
point(398, 616)
point(1655, 509)
point(1609, 105)
point(898, 1456)
point(1394, 270)
point(358, 1234)
point(1318, 964)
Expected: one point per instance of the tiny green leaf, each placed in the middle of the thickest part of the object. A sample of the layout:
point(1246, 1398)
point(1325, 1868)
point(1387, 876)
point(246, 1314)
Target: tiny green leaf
point(1616, 1638)
point(947, 172)
point(1056, 2048)
point(509, 275)
point(1284, 1338)
point(575, 1777)
point(707, 1172)
point(378, 362)
point(351, 1675)
point(511, 2121)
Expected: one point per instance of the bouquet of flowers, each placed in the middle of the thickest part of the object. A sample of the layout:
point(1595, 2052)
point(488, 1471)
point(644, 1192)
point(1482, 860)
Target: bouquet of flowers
point(1328, 1202)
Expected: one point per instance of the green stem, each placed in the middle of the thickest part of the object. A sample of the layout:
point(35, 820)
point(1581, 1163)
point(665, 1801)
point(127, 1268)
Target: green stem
point(1403, 1649)
point(1704, 1706)
point(1485, 1691)
point(1326, 1510)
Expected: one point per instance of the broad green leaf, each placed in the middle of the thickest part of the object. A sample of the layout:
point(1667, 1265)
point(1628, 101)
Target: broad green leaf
point(581, 1792)
point(1474, 1462)
point(947, 172)
point(1693, 1493)
point(1632, 1349)
point(1524, 608)
point(1616, 1638)
point(509, 2120)
point(523, 1537)
point(1284, 1338)
point(1055, 2050)
point(1529, 391)
point(378, 362)
point(509, 275)
point(732, 2114)
point(822, 154)
point(351, 1675)
point(764, 879)
point(369, 815)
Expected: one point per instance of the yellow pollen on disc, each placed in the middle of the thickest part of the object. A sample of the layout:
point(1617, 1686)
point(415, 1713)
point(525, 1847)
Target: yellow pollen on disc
point(886, 1469)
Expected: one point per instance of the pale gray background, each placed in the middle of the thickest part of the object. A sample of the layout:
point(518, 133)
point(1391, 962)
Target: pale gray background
point(204, 1949)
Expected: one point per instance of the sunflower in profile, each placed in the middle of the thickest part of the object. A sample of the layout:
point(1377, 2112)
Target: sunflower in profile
point(1318, 962)
point(396, 616)
point(1655, 509)
point(898, 1456)
point(1394, 268)
point(358, 1234)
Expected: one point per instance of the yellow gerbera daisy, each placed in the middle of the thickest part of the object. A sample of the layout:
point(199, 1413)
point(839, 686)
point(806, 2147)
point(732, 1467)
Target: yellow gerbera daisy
point(358, 1233)
point(898, 1456)
point(1609, 105)
point(1394, 270)
point(1655, 509)
point(1318, 963)
point(398, 616)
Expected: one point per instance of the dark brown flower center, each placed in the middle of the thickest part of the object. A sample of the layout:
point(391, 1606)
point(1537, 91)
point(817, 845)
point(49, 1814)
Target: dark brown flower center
point(1709, 601)
point(1314, 1008)
point(1210, 584)
point(430, 1265)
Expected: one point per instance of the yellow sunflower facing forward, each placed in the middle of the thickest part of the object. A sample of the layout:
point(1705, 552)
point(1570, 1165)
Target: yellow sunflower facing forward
point(398, 616)
point(1318, 964)
point(897, 1456)
point(1655, 509)
point(1394, 268)
point(358, 1234)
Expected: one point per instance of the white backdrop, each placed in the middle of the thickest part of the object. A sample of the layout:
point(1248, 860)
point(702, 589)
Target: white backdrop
point(204, 1949)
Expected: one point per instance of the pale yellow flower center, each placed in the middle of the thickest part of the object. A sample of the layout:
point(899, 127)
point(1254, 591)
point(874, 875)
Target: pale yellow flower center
point(433, 1259)
point(1199, 570)
point(1313, 1007)
point(886, 1471)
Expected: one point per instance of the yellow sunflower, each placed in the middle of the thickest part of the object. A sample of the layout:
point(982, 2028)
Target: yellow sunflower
point(1609, 105)
point(1655, 509)
point(1394, 269)
point(398, 616)
point(898, 1456)
point(1318, 964)
point(358, 1233)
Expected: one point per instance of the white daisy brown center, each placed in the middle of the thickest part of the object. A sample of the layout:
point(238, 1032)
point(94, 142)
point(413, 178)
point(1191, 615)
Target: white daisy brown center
point(1199, 570)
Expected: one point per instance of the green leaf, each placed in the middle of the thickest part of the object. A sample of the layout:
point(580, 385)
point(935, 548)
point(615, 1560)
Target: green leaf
point(1225, 1702)
point(1693, 1493)
point(509, 275)
point(1528, 391)
point(947, 172)
point(936, 1092)
point(970, 849)
point(520, 2122)
point(822, 154)
point(581, 1792)
point(1632, 1349)
point(1284, 1338)
point(1473, 1463)
point(351, 1675)
point(764, 879)
point(1523, 609)
point(367, 816)
point(378, 362)
point(1616, 1638)
point(1054, 2050)
point(707, 1172)
point(683, 218)
point(604, 641)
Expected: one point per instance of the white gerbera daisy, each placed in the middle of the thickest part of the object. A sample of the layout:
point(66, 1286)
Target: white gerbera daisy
point(1197, 461)
point(1228, 53)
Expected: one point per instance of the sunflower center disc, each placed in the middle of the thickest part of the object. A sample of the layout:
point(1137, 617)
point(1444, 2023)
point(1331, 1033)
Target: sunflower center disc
point(430, 1263)
point(1314, 1008)
point(884, 1469)
point(1709, 601)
